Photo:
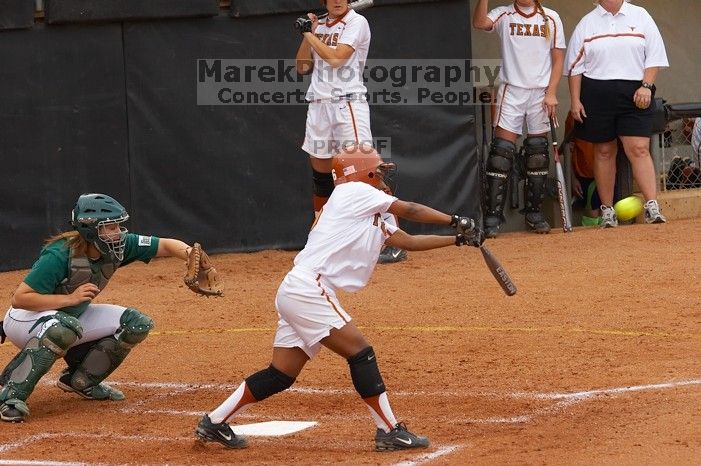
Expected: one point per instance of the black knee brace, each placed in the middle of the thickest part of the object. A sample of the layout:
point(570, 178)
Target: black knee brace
point(323, 183)
point(365, 373)
point(268, 382)
point(499, 163)
point(537, 163)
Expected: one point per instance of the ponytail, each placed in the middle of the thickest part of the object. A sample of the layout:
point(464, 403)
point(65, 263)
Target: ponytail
point(545, 18)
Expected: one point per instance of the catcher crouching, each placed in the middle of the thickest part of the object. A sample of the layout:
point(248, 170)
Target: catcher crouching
point(53, 313)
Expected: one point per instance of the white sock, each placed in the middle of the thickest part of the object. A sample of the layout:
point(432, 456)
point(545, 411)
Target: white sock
point(381, 411)
point(238, 402)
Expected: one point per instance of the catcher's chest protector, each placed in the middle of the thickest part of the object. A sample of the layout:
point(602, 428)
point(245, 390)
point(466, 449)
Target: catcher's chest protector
point(82, 273)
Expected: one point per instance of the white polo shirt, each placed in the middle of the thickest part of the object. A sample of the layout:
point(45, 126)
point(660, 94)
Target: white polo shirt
point(328, 82)
point(605, 46)
point(525, 51)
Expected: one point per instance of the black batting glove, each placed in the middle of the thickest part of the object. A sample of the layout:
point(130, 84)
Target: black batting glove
point(304, 24)
point(474, 238)
point(463, 225)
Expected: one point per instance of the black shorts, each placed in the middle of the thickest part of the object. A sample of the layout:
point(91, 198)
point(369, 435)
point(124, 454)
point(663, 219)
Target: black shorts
point(611, 111)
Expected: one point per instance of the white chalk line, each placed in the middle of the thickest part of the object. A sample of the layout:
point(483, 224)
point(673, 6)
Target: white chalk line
point(42, 463)
point(5, 447)
point(564, 400)
point(184, 387)
point(448, 449)
point(615, 390)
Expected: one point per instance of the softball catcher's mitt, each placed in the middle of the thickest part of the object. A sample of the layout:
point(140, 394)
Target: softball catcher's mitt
point(201, 276)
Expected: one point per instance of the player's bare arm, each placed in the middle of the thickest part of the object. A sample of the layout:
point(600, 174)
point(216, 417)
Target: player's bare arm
point(401, 239)
point(576, 107)
point(25, 297)
point(170, 247)
point(335, 57)
point(304, 61)
point(418, 213)
point(480, 20)
point(643, 96)
point(558, 62)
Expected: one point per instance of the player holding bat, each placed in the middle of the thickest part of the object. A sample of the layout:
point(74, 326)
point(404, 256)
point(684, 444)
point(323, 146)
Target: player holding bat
point(333, 50)
point(340, 254)
point(533, 50)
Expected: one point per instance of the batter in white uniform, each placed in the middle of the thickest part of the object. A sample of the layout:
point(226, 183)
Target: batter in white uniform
point(334, 49)
point(533, 51)
point(341, 253)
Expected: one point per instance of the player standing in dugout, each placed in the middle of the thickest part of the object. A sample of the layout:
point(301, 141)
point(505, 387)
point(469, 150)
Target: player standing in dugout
point(334, 50)
point(533, 52)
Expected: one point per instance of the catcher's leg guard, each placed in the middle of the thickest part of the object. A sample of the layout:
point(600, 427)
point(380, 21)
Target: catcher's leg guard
point(499, 164)
point(268, 382)
point(537, 162)
point(14, 362)
point(103, 356)
point(365, 374)
point(323, 187)
point(38, 355)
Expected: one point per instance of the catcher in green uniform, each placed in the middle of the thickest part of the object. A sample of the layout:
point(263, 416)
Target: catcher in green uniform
point(53, 314)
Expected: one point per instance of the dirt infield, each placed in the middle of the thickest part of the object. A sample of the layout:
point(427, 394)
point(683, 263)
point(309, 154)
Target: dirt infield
point(597, 359)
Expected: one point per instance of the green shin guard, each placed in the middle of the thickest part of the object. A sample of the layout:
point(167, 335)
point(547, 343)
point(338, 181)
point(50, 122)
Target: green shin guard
point(37, 357)
point(105, 356)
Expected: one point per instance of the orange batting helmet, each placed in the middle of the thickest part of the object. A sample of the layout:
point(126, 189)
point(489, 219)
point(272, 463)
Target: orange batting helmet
point(361, 162)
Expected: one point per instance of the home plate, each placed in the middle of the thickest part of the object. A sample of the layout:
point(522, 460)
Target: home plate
point(272, 428)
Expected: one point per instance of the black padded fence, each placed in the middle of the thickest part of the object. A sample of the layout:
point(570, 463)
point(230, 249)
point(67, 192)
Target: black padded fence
point(84, 11)
point(16, 14)
point(243, 8)
point(112, 107)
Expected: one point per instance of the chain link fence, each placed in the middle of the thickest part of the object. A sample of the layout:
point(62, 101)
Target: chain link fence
point(678, 164)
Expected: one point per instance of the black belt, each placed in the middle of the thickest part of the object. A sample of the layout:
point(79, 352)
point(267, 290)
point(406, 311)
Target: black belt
point(2, 334)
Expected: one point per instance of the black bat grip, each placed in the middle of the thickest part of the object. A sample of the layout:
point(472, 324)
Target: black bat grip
point(553, 131)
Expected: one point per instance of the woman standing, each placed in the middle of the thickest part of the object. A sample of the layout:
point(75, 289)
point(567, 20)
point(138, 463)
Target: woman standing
point(614, 56)
point(333, 50)
point(533, 53)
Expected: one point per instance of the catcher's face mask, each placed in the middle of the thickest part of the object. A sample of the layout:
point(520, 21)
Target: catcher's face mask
point(112, 236)
point(98, 219)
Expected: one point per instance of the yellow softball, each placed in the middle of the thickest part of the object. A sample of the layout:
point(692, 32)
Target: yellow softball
point(628, 208)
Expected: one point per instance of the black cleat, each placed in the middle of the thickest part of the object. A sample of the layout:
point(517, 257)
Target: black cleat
point(207, 431)
point(14, 410)
point(491, 226)
point(398, 438)
point(537, 223)
point(100, 391)
point(390, 255)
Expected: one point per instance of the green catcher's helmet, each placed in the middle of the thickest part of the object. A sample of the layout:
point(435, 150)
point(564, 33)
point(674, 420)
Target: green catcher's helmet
point(93, 211)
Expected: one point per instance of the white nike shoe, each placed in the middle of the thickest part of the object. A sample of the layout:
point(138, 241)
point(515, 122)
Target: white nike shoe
point(608, 217)
point(398, 438)
point(652, 212)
